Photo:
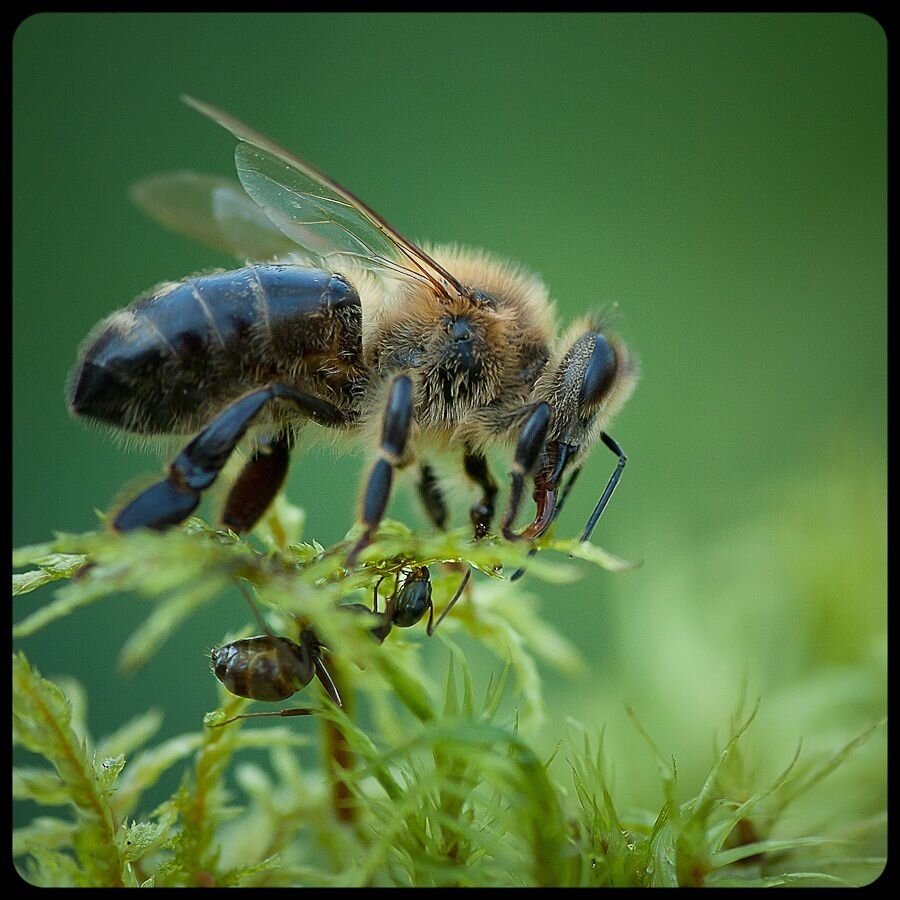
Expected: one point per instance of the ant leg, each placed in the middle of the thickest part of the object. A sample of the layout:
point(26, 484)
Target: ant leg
point(482, 512)
point(326, 682)
point(173, 499)
point(259, 482)
point(394, 432)
point(610, 485)
point(528, 449)
point(432, 496)
point(375, 592)
point(256, 614)
point(299, 711)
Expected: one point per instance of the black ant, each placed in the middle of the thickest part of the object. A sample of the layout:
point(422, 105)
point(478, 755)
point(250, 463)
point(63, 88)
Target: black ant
point(270, 667)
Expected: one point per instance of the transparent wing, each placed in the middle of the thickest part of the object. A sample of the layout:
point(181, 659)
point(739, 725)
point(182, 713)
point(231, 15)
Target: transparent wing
point(318, 214)
point(214, 211)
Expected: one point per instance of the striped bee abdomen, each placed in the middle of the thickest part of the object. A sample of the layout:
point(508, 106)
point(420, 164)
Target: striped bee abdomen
point(175, 356)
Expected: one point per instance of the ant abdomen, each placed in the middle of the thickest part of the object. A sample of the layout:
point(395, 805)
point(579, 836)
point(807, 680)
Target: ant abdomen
point(266, 667)
point(177, 355)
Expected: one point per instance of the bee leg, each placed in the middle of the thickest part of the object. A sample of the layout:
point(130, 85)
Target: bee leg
point(432, 496)
point(528, 449)
point(256, 486)
point(562, 500)
point(173, 499)
point(610, 485)
point(482, 512)
point(394, 432)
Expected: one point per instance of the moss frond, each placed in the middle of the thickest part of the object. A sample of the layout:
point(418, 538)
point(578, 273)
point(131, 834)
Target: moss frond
point(42, 724)
point(433, 783)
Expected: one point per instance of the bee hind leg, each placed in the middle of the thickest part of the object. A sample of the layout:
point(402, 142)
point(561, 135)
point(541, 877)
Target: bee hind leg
point(256, 486)
point(175, 497)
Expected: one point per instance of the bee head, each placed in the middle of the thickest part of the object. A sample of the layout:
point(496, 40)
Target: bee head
point(593, 378)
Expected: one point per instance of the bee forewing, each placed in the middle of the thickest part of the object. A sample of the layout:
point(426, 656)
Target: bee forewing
point(213, 211)
point(322, 224)
point(320, 215)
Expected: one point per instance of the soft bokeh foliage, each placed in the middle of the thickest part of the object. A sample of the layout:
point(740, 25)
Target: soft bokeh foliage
point(721, 179)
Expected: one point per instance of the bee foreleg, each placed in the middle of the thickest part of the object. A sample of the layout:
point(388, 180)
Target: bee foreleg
point(528, 449)
point(482, 512)
point(562, 500)
point(394, 433)
point(173, 499)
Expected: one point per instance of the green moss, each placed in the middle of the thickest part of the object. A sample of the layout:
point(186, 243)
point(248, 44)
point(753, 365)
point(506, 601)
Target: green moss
point(438, 788)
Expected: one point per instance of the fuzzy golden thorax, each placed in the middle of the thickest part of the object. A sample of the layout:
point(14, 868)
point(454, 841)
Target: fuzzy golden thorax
point(467, 352)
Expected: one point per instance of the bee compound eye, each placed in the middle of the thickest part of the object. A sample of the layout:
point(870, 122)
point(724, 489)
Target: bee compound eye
point(599, 374)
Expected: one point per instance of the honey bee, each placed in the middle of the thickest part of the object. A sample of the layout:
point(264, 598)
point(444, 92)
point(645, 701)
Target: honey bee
point(349, 326)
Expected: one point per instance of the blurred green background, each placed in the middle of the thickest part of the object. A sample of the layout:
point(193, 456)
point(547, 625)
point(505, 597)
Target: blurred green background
point(722, 178)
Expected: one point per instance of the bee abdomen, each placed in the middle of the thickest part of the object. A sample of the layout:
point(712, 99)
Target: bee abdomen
point(173, 355)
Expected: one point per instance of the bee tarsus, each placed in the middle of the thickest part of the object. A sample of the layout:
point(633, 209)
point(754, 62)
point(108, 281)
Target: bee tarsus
point(481, 513)
point(432, 496)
